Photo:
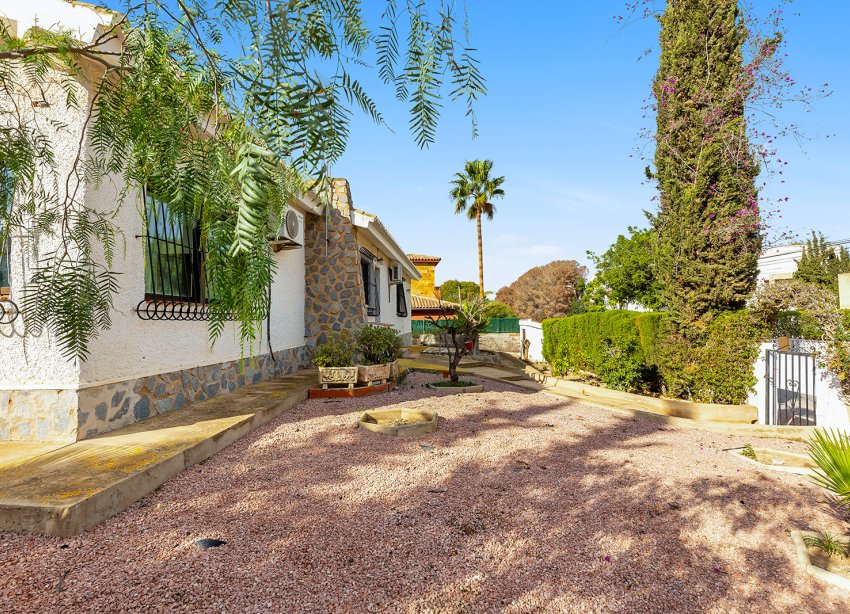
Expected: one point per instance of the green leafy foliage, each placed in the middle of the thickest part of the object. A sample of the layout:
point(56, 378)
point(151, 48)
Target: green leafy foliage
point(217, 107)
point(625, 273)
point(828, 544)
point(822, 263)
point(830, 451)
point(379, 344)
point(579, 342)
point(642, 351)
point(498, 309)
point(622, 366)
point(708, 224)
point(748, 451)
point(338, 350)
point(456, 291)
point(716, 366)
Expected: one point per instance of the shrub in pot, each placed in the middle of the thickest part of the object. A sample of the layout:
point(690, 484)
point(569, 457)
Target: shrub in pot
point(335, 359)
point(379, 347)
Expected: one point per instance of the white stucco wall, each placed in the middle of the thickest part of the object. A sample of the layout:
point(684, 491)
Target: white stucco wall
point(134, 347)
point(34, 359)
point(386, 291)
point(131, 347)
point(831, 412)
point(532, 332)
point(776, 263)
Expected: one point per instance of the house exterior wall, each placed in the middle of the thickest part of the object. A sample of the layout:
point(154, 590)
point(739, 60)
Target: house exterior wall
point(777, 263)
point(387, 292)
point(334, 298)
point(137, 368)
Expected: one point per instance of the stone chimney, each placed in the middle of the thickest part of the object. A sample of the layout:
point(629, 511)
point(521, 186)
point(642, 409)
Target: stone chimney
point(425, 265)
point(341, 196)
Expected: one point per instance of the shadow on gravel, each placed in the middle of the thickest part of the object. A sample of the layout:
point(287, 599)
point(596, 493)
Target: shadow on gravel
point(535, 507)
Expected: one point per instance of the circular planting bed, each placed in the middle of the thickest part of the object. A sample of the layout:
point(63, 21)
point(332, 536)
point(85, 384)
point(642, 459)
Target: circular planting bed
point(459, 386)
point(396, 422)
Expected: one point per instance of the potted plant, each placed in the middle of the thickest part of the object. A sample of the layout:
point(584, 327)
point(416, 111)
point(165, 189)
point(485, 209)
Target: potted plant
point(380, 348)
point(335, 360)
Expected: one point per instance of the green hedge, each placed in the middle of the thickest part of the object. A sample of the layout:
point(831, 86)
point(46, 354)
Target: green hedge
point(635, 351)
point(619, 346)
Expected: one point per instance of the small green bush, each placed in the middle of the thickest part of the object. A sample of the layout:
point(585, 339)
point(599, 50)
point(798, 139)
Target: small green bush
point(622, 367)
point(714, 365)
point(338, 351)
point(379, 344)
point(830, 451)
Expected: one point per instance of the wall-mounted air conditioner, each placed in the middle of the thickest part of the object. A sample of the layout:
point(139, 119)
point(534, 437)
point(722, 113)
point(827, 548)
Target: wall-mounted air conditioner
point(291, 234)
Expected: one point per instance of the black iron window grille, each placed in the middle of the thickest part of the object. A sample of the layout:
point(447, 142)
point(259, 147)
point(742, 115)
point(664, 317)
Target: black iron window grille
point(371, 282)
point(400, 301)
point(8, 309)
point(5, 248)
point(175, 277)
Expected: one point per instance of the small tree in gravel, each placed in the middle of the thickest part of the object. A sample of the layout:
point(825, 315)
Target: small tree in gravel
point(460, 329)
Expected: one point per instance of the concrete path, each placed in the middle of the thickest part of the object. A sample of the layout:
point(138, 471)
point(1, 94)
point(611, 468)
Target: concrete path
point(63, 489)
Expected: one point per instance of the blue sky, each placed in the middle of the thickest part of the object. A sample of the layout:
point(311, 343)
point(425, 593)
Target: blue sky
point(561, 123)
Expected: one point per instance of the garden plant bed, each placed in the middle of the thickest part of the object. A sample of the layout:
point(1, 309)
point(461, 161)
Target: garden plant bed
point(356, 391)
point(834, 569)
point(459, 386)
point(402, 421)
point(778, 460)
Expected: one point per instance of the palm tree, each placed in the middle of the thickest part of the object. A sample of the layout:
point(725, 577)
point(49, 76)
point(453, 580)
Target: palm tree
point(473, 192)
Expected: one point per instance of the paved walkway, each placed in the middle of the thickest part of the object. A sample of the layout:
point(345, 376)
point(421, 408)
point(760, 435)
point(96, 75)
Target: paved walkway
point(63, 489)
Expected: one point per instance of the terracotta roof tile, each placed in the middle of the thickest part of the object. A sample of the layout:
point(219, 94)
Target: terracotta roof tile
point(414, 258)
point(418, 301)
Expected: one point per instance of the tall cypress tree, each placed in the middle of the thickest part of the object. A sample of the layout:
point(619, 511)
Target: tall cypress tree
point(708, 227)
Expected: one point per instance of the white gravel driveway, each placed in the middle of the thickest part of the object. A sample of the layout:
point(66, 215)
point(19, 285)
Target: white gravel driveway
point(520, 502)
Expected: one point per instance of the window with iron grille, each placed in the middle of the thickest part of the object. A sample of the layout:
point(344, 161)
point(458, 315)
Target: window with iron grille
point(400, 301)
point(371, 283)
point(175, 281)
point(5, 245)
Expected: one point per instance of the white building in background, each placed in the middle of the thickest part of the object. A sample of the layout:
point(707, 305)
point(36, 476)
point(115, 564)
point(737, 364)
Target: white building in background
point(777, 263)
point(336, 268)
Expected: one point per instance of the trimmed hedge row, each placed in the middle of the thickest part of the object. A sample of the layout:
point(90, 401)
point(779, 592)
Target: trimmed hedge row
point(635, 352)
point(579, 342)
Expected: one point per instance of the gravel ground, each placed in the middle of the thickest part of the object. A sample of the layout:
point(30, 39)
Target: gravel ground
point(520, 502)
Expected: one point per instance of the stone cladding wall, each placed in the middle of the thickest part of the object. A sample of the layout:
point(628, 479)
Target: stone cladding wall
point(334, 298)
point(71, 415)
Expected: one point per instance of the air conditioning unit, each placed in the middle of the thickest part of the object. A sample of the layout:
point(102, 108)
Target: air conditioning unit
point(395, 273)
point(291, 234)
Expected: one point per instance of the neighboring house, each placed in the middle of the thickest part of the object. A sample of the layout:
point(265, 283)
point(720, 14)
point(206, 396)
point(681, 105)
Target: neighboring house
point(778, 263)
point(335, 268)
point(426, 295)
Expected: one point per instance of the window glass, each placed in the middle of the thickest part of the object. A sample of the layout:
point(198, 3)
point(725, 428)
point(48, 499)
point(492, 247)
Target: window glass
point(371, 283)
point(5, 207)
point(401, 300)
point(174, 261)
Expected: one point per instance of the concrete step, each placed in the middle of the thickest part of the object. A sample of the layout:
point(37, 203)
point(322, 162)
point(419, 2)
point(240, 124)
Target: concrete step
point(65, 489)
